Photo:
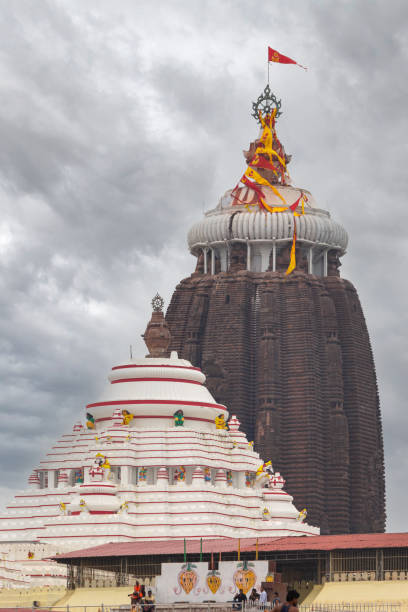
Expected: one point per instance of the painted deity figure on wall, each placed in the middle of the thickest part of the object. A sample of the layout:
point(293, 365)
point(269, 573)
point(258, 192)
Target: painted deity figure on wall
point(142, 474)
point(79, 476)
point(229, 478)
point(248, 479)
point(207, 474)
point(180, 474)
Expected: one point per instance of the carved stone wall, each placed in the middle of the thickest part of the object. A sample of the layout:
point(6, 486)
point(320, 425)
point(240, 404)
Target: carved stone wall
point(291, 356)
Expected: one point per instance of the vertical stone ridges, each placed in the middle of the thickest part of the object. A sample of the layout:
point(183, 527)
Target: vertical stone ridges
point(337, 435)
point(291, 357)
point(361, 405)
point(227, 345)
point(303, 416)
point(268, 375)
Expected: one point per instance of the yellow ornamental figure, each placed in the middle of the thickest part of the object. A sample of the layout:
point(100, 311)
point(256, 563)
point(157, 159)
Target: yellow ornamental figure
point(187, 578)
point(127, 417)
point(106, 465)
point(302, 515)
point(220, 422)
point(213, 581)
point(244, 577)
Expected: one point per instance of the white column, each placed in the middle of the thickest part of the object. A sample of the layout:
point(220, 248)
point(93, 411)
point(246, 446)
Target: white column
point(124, 475)
point(265, 254)
point(212, 261)
point(325, 263)
point(274, 258)
point(51, 479)
point(205, 251)
point(223, 257)
point(310, 260)
point(248, 256)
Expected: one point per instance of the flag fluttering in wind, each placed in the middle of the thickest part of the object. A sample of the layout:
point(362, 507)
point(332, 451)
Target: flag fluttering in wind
point(275, 56)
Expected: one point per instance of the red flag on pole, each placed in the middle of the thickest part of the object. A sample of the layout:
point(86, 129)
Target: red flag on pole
point(275, 56)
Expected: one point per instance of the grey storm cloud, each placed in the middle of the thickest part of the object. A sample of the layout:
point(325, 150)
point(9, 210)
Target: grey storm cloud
point(120, 123)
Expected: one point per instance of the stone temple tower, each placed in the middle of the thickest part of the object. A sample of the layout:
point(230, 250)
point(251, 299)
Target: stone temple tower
point(289, 353)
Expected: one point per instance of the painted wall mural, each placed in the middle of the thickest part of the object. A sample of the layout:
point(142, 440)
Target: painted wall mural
point(196, 582)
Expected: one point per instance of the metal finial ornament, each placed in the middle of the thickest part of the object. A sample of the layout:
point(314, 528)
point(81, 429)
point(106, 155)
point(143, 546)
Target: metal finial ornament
point(157, 303)
point(266, 103)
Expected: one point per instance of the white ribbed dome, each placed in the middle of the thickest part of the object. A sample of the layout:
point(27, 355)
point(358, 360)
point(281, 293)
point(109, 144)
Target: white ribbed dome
point(235, 222)
point(154, 388)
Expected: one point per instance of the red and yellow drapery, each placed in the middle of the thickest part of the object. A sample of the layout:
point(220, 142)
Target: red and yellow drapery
point(266, 157)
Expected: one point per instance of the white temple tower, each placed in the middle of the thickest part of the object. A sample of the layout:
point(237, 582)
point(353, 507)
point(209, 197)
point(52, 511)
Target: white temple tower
point(154, 460)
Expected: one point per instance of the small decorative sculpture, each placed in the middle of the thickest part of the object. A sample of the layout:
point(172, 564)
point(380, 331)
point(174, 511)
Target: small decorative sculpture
point(302, 515)
point(265, 468)
point(106, 465)
point(276, 481)
point(180, 474)
point(220, 422)
point(248, 479)
point(251, 445)
point(30, 555)
point(82, 505)
point(142, 474)
point(266, 515)
point(127, 417)
point(229, 478)
point(79, 476)
point(207, 474)
point(90, 421)
point(100, 469)
point(63, 508)
point(123, 507)
point(178, 418)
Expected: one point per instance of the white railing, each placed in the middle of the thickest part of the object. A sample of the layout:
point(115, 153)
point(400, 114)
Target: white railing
point(350, 607)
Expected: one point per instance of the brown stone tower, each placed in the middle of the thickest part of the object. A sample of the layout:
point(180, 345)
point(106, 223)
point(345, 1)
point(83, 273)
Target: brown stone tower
point(288, 353)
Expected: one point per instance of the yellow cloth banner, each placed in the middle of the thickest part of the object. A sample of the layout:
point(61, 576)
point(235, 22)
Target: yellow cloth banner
point(292, 263)
point(253, 174)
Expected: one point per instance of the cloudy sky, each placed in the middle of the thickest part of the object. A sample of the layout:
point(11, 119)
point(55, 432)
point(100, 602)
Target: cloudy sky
point(120, 122)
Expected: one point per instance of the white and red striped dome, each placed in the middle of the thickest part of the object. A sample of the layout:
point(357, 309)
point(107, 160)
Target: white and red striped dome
point(153, 389)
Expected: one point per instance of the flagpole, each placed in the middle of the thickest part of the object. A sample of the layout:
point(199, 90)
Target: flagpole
point(268, 71)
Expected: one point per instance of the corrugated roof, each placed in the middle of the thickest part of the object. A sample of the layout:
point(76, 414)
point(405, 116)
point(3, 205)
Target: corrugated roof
point(176, 547)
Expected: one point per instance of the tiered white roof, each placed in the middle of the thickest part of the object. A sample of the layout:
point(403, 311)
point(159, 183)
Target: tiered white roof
point(138, 471)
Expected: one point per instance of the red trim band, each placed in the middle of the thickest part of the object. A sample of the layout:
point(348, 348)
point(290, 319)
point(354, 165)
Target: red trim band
point(155, 402)
point(156, 365)
point(177, 380)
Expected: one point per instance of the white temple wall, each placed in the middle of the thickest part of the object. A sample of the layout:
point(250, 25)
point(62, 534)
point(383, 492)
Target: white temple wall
point(195, 583)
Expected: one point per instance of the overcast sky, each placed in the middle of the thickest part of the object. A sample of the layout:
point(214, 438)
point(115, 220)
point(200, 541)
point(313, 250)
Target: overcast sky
point(120, 122)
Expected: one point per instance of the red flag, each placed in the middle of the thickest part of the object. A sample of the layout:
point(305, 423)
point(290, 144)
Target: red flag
point(275, 56)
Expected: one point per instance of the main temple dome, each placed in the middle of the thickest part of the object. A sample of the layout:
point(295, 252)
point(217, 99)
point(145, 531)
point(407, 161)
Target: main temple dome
point(255, 223)
point(229, 223)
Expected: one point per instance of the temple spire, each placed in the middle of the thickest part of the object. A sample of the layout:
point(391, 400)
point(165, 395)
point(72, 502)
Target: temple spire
point(157, 335)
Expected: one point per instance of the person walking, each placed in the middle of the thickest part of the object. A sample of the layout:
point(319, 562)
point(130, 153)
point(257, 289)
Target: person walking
point(290, 604)
point(263, 598)
point(276, 599)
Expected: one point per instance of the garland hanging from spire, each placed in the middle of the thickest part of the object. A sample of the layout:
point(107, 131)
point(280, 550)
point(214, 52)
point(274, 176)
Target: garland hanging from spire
point(263, 158)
